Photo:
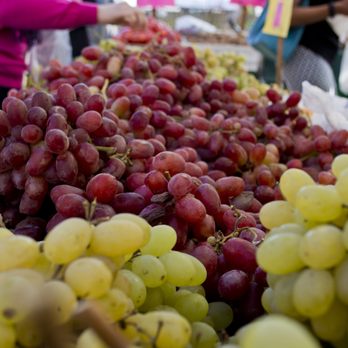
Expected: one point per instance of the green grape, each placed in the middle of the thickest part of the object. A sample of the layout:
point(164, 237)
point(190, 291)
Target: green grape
point(150, 269)
point(342, 343)
point(68, 240)
point(277, 213)
point(199, 289)
point(117, 237)
point(339, 164)
point(267, 301)
point(314, 292)
point(276, 331)
point(17, 297)
point(293, 228)
point(180, 268)
point(278, 254)
point(162, 240)
point(322, 247)
point(221, 315)
point(200, 274)
point(142, 223)
point(61, 300)
point(319, 203)
point(5, 233)
point(332, 325)
point(342, 219)
point(170, 329)
point(8, 336)
point(165, 308)
point(88, 277)
point(292, 181)
point(18, 252)
point(193, 307)
point(283, 295)
point(203, 336)
point(342, 186)
point(34, 278)
point(345, 235)
point(44, 266)
point(341, 276)
point(116, 304)
point(132, 285)
point(109, 263)
point(306, 224)
point(178, 295)
point(29, 334)
point(154, 299)
point(168, 291)
point(272, 279)
point(89, 339)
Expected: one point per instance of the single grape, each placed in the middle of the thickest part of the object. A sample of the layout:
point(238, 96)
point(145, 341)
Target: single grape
point(314, 292)
point(88, 277)
point(67, 241)
point(101, 187)
point(57, 141)
point(284, 246)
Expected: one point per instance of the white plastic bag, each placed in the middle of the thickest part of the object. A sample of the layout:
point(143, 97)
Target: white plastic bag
point(339, 24)
point(53, 44)
point(343, 77)
point(190, 25)
point(329, 111)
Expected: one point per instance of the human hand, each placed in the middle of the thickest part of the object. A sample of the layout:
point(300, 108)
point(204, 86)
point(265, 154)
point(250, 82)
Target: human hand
point(121, 14)
point(341, 7)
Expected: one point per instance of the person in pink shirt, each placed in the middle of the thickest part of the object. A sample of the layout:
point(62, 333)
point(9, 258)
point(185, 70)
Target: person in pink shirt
point(21, 16)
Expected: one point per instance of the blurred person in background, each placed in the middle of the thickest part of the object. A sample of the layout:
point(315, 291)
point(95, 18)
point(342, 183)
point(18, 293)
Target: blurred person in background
point(84, 36)
point(21, 19)
point(318, 47)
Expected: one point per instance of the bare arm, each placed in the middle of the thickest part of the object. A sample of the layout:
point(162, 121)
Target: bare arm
point(315, 14)
point(65, 14)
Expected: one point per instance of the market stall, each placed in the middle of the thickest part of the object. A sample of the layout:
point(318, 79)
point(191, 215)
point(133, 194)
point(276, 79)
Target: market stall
point(157, 195)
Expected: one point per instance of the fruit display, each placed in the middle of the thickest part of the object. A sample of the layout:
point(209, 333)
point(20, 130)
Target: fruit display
point(229, 65)
point(203, 164)
point(156, 31)
point(221, 37)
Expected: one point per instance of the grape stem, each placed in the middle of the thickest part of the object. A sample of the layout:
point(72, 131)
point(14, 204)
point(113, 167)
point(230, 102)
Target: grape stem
point(57, 271)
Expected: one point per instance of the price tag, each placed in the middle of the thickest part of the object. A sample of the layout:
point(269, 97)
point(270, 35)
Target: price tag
point(278, 18)
point(249, 2)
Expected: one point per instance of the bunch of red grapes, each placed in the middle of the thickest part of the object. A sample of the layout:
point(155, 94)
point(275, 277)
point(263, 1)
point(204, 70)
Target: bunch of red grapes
point(163, 142)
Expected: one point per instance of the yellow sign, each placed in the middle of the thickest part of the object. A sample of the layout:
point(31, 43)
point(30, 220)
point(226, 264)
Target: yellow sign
point(278, 18)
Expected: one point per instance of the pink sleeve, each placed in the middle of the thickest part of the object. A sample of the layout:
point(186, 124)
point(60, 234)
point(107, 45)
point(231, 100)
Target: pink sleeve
point(46, 14)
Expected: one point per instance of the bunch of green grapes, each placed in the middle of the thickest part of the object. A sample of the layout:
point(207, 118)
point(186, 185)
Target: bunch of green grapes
point(124, 265)
point(272, 331)
point(229, 65)
point(305, 253)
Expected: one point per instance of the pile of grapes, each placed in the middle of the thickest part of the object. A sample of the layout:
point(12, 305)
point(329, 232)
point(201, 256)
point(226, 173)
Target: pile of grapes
point(146, 133)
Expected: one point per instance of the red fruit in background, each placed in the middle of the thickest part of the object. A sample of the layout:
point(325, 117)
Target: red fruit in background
point(168, 162)
point(102, 187)
point(293, 99)
point(233, 285)
point(240, 254)
point(205, 253)
point(180, 185)
point(190, 209)
point(229, 187)
point(208, 195)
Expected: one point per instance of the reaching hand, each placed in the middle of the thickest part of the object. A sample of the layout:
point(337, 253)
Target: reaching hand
point(121, 14)
point(341, 7)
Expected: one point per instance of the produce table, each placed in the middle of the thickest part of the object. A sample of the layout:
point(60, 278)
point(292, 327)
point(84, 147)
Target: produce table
point(253, 58)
